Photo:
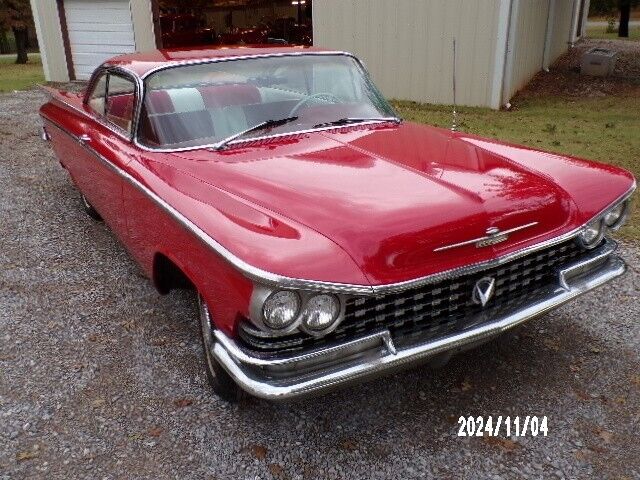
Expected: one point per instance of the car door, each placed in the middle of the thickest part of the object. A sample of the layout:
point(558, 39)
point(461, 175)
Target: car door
point(110, 106)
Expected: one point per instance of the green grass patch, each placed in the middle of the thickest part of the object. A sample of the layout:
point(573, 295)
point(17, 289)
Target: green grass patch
point(600, 32)
point(602, 129)
point(20, 77)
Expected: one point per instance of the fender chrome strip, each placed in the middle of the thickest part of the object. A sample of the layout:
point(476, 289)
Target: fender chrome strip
point(274, 279)
point(250, 271)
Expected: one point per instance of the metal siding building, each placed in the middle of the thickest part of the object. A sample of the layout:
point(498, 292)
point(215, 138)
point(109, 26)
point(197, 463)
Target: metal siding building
point(407, 44)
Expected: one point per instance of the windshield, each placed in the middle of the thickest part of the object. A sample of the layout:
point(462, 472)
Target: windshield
point(199, 105)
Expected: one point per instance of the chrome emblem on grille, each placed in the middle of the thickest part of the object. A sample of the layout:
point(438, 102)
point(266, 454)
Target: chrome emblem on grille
point(493, 235)
point(483, 290)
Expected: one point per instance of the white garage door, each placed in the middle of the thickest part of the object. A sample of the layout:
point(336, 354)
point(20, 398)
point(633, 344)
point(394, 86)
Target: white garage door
point(98, 29)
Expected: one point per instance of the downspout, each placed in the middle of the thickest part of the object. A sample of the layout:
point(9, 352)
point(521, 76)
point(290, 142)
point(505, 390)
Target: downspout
point(507, 81)
point(500, 59)
point(551, 14)
point(585, 15)
point(574, 24)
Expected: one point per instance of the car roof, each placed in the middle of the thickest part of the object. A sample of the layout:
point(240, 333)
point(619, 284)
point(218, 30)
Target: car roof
point(144, 62)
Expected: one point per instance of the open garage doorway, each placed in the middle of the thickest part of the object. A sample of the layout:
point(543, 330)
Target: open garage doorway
point(232, 22)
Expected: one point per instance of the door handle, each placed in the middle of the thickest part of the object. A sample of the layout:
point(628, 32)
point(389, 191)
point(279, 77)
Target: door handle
point(84, 139)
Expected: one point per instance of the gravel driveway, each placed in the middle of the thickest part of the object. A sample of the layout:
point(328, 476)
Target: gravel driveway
point(100, 377)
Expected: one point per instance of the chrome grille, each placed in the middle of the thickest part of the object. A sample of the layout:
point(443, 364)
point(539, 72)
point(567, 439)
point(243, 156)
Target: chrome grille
point(433, 310)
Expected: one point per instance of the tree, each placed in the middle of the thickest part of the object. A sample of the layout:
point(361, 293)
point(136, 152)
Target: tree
point(609, 7)
point(16, 15)
point(625, 13)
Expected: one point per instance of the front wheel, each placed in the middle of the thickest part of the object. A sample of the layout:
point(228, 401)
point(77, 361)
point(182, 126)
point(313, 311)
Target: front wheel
point(221, 382)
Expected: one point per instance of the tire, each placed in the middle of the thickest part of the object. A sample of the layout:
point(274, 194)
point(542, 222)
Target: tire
point(88, 208)
point(221, 382)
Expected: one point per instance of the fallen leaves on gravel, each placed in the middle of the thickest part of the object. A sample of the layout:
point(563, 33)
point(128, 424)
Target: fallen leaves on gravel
point(466, 385)
point(604, 435)
point(182, 402)
point(582, 395)
point(26, 455)
point(552, 344)
point(258, 451)
point(504, 444)
point(276, 470)
point(349, 444)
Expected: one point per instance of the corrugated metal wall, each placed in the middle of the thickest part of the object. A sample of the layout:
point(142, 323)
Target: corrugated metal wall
point(407, 44)
point(563, 20)
point(528, 49)
point(530, 34)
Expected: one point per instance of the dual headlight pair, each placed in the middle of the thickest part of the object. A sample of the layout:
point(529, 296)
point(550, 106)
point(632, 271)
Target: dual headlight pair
point(612, 219)
point(313, 313)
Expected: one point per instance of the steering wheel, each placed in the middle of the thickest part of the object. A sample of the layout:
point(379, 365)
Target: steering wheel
point(320, 95)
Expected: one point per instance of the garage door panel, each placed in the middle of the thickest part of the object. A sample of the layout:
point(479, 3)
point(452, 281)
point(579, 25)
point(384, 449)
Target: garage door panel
point(91, 59)
point(83, 72)
point(98, 30)
point(99, 27)
point(101, 38)
point(93, 4)
point(108, 49)
point(101, 16)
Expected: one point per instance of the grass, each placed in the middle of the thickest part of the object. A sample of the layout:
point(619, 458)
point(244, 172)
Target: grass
point(600, 32)
point(20, 77)
point(602, 129)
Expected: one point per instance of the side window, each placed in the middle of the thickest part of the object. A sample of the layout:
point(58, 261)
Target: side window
point(99, 93)
point(120, 101)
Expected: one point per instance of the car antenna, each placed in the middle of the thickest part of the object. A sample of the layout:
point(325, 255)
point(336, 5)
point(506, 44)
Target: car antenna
point(454, 126)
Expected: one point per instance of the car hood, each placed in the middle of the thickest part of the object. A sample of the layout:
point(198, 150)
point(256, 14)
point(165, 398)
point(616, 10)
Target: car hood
point(393, 196)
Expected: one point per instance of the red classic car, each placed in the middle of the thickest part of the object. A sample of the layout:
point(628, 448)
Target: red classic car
point(328, 240)
point(184, 30)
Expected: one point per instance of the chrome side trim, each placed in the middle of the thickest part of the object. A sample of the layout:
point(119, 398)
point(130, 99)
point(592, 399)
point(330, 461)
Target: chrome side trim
point(248, 270)
point(275, 380)
point(498, 234)
point(44, 135)
point(280, 281)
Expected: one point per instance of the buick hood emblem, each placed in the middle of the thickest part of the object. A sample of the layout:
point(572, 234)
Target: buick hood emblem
point(493, 236)
point(483, 290)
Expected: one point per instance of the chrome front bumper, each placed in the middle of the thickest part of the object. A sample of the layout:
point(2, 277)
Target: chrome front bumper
point(375, 354)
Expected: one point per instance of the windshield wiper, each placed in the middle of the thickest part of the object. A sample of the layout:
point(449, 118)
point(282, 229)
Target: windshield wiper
point(348, 120)
point(261, 126)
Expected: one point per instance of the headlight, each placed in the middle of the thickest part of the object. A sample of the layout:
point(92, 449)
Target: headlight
point(616, 216)
point(320, 312)
point(281, 309)
point(592, 233)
